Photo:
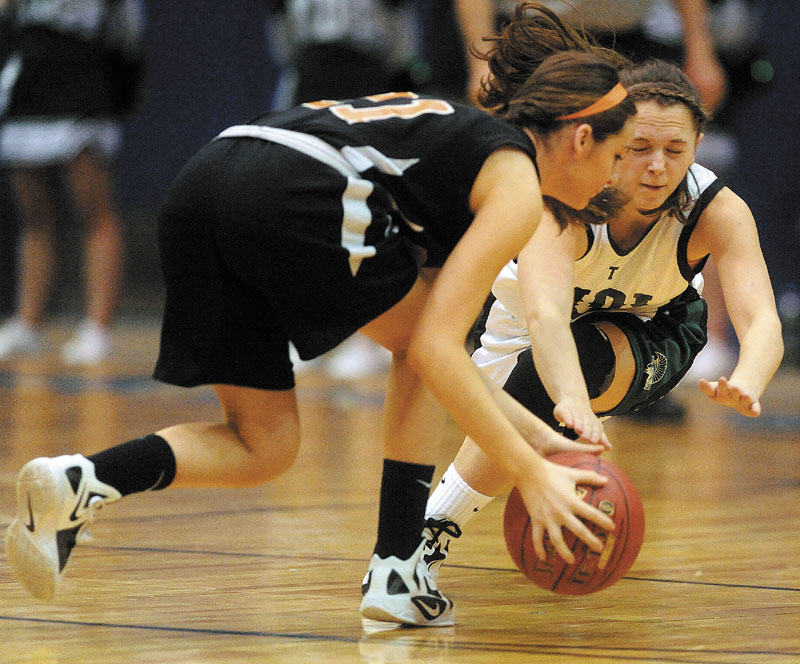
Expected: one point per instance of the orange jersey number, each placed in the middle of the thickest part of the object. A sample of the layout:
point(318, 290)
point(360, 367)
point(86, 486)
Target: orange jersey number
point(410, 109)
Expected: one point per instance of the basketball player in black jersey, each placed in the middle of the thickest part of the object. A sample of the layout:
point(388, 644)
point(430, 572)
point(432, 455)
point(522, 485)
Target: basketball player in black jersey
point(389, 215)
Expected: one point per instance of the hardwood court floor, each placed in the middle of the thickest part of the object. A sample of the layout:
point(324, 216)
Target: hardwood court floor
point(272, 574)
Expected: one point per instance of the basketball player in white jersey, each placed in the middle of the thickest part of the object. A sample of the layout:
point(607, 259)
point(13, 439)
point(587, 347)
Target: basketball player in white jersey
point(600, 319)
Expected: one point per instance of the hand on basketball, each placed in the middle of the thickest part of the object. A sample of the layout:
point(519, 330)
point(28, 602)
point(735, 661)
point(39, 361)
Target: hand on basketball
point(553, 503)
point(578, 415)
point(731, 394)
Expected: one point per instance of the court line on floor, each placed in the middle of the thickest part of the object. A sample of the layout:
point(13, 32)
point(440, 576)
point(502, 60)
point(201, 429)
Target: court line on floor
point(295, 556)
point(474, 568)
point(522, 648)
point(233, 511)
point(282, 508)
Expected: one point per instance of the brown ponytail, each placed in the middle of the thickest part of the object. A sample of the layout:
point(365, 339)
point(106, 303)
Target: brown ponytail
point(541, 69)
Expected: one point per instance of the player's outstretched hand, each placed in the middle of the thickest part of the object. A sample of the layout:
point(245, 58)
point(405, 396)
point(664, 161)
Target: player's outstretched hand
point(552, 503)
point(729, 393)
point(578, 415)
point(548, 442)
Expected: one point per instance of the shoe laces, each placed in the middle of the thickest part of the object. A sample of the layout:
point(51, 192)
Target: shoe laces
point(437, 527)
point(92, 508)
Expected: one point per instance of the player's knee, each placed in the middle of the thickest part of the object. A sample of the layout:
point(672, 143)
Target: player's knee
point(271, 456)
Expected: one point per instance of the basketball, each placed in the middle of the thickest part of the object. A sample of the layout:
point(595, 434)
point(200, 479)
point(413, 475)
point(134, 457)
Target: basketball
point(591, 571)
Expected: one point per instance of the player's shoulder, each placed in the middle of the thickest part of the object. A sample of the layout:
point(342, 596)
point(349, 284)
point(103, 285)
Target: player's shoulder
point(700, 179)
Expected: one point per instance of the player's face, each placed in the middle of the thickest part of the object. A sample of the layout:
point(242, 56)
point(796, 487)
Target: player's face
point(663, 147)
point(602, 164)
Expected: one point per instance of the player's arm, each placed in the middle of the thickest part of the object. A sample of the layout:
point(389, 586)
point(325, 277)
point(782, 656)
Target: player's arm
point(546, 282)
point(507, 204)
point(700, 61)
point(476, 19)
point(727, 231)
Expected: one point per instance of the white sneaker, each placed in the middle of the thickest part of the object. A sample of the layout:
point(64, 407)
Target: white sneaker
point(437, 534)
point(57, 498)
point(19, 338)
point(90, 345)
point(402, 591)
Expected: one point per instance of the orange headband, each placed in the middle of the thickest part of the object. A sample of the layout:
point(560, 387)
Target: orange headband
point(610, 99)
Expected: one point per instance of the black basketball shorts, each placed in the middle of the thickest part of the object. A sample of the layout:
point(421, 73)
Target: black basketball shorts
point(664, 347)
point(251, 244)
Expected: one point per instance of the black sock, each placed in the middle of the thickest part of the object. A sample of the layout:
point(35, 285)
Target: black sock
point(404, 496)
point(142, 464)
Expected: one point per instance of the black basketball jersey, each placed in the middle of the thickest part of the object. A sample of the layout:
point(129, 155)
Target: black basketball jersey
point(424, 152)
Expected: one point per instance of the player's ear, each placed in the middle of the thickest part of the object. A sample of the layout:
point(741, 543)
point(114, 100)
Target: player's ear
point(583, 138)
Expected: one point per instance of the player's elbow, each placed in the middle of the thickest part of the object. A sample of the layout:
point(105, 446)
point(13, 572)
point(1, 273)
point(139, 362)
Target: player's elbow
point(544, 318)
point(425, 352)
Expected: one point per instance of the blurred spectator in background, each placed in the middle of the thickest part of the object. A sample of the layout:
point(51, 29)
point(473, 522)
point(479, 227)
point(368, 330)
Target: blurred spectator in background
point(341, 49)
point(676, 30)
point(338, 49)
point(766, 175)
point(73, 72)
point(8, 227)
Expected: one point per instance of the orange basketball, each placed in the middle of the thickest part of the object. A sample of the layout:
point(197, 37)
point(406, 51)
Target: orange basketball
point(591, 571)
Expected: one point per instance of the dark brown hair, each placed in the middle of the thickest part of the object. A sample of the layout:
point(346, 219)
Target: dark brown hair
point(541, 69)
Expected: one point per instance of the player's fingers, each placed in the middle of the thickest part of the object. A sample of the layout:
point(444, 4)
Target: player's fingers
point(599, 434)
point(594, 433)
point(748, 406)
point(580, 446)
point(557, 540)
point(709, 388)
point(586, 511)
point(583, 533)
point(589, 431)
point(537, 535)
point(588, 477)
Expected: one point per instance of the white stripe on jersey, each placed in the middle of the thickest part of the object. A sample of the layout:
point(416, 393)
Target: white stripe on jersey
point(356, 213)
point(356, 220)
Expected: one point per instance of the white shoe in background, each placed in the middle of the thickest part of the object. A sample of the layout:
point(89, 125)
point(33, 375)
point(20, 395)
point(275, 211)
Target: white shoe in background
point(19, 338)
point(357, 357)
point(90, 345)
point(715, 360)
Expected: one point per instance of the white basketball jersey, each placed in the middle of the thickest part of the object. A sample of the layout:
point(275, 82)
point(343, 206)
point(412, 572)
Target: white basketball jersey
point(638, 280)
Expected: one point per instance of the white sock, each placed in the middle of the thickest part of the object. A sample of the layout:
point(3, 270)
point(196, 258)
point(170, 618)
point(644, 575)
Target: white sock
point(454, 499)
